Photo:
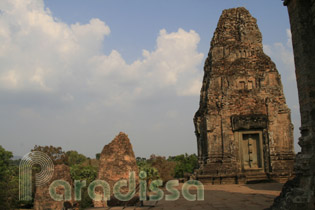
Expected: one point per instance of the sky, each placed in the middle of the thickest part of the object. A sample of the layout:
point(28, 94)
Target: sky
point(75, 73)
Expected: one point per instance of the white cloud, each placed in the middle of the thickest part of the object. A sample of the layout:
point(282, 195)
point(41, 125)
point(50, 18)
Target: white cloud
point(282, 54)
point(173, 64)
point(41, 53)
point(9, 80)
point(40, 49)
point(57, 84)
point(289, 35)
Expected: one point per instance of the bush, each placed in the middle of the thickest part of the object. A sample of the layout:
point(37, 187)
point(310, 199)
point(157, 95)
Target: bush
point(9, 182)
point(73, 158)
point(144, 165)
point(167, 169)
point(184, 164)
point(56, 154)
point(164, 167)
point(88, 173)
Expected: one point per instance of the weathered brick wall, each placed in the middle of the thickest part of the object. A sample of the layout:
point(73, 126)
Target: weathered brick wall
point(117, 160)
point(43, 199)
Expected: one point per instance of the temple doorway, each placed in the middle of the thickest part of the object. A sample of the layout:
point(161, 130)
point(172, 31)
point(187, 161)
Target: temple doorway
point(251, 150)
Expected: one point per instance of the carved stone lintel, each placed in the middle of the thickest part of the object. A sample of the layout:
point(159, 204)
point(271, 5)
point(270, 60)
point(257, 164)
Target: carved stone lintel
point(247, 122)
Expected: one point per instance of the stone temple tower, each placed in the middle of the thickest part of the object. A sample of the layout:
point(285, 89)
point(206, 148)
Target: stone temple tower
point(243, 125)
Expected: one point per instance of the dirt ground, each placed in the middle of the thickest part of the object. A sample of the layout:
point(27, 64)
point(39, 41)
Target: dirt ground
point(221, 197)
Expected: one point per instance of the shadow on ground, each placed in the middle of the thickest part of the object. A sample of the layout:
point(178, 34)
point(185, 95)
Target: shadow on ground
point(266, 186)
point(223, 197)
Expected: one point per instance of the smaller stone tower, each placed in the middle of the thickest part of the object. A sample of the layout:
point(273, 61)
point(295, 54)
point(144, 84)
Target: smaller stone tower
point(117, 160)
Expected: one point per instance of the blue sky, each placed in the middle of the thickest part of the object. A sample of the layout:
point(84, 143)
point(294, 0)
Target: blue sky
point(141, 19)
point(74, 73)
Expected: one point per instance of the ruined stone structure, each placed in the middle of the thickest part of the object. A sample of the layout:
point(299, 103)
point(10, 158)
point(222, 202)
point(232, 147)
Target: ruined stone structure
point(116, 161)
point(43, 200)
point(300, 193)
point(243, 126)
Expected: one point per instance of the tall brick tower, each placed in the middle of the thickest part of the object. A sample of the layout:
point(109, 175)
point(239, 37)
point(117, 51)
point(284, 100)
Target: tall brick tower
point(243, 126)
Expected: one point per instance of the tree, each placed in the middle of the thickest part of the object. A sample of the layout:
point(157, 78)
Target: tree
point(57, 155)
point(8, 181)
point(184, 164)
point(97, 156)
point(140, 159)
point(80, 172)
point(73, 158)
point(164, 167)
point(5, 157)
point(144, 165)
point(88, 173)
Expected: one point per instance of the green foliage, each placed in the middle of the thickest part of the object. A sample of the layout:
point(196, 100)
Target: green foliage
point(9, 183)
point(12, 190)
point(57, 155)
point(164, 167)
point(97, 156)
point(87, 173)
point(144, 165)
point(15, 162)
point(184, 164)
point(80, 172)
point(156, 167)
point(167, 169)
point(5, 157)
point(140, 159)
point(73, 158)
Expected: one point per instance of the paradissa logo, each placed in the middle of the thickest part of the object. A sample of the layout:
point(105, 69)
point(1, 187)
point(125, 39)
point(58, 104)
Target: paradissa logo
point(44, 176)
